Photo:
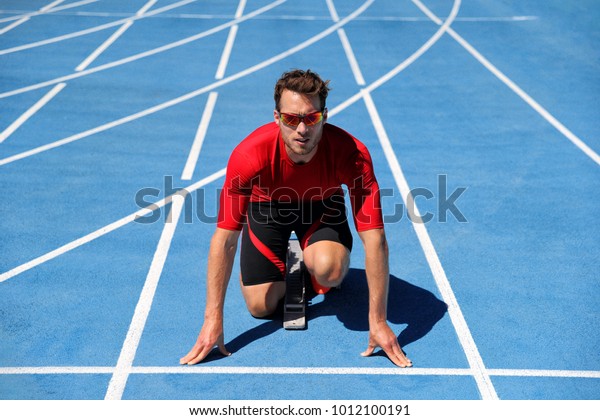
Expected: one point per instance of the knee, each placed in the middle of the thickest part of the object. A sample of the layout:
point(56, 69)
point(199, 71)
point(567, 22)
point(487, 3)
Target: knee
point(329, 270)
point(263, 300)
point(261, 309)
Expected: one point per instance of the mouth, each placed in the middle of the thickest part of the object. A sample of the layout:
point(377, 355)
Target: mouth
point(302, 140)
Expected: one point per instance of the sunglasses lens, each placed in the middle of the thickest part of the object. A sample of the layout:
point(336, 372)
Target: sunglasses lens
point(294, 120)
point(290, 119)
point(312, 119)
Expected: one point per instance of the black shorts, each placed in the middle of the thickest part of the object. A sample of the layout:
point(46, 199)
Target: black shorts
point(269, 227)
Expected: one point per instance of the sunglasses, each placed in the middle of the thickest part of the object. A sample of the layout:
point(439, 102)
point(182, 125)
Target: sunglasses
point(294, 120)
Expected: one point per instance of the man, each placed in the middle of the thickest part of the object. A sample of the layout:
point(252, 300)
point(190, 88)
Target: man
point(287, 176)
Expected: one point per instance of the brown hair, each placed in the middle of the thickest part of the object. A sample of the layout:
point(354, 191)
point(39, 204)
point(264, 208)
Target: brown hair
point(305, 82)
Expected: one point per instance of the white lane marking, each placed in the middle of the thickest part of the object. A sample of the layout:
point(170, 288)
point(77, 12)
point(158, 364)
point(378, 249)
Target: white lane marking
point(189, 95)
point(107, 43)
point(466, 340)
point(85, 63)
point(13, 25)
point(141, 55)
point(229, 43)
point(31, 111)
point(51, 8)
point(400, 67)
point(121, 373)
point(358, 76)
point(93, 29)
point(190, 165)
point(106, 229)
point(57, 88)
point(269, 370)
point(515, 88)
point(24, 19)
point(484, 384)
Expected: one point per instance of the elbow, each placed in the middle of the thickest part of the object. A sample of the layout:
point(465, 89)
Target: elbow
point(225, 240)
point(375, 239)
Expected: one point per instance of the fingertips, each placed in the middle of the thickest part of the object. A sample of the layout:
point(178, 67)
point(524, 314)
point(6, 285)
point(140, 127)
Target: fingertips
point(224, 351)
point(185, 359)
point(369, 351)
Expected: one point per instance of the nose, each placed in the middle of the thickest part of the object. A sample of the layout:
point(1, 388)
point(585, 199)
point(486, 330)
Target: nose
point(301, 128)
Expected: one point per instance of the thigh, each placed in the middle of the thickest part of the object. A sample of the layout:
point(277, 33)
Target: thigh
point(325, 221)
point(264, 246)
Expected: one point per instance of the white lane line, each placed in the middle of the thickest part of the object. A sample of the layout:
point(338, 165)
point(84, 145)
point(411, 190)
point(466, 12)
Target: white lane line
point(189, 95)
point(106, 229)
point(218, 370)
point(119, 378)
point(91, 30)
point(31, 111)
point(56, 370)
point(26, 18)
point(515, 88)
point(144, 54)
point(268, 370)
point(53, 5)
point(205, 16)
point(190, 165)
point(192, 160)
point(57, 88)
point(116, 386)
point(13, 25)
point(400, 67)
point(229, 43)
point(50, 8)
point(546, 373)
point(358, 77)
point(85, 63)
point(226, 52)
point(109, 41)
point(482, 379)
point(484, 384)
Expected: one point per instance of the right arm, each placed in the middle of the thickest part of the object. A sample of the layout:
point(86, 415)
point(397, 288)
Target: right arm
point(221, 255)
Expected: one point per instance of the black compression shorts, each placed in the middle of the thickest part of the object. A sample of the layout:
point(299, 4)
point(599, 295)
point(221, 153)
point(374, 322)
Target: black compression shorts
point(269, 227)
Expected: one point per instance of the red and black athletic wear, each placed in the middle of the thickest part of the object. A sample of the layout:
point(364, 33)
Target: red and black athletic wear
point(271, 196)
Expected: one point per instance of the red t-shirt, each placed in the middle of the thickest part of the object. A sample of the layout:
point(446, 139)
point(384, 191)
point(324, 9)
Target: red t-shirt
point(259, 169)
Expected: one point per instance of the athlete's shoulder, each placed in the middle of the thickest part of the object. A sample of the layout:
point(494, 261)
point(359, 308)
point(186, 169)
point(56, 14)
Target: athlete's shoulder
point(264, 136)
point(254, 151)
point(340, 139)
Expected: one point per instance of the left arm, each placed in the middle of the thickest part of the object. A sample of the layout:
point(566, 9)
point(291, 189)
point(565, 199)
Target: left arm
point(377, 268)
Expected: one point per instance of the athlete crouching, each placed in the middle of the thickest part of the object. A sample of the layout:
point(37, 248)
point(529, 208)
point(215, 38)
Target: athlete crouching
point(287, 176)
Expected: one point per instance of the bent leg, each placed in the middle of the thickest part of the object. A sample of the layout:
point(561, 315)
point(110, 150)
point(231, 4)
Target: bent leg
point(262, 260)
point(328, 262)
point(262, 299)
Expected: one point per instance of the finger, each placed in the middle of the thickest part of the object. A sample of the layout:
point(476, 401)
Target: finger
point(395, 359)
point(397, 356)
point(185, 359)
point(403, 356)
point(222, 348)
point(201, 356)
point(369, 351)
point(197, 354)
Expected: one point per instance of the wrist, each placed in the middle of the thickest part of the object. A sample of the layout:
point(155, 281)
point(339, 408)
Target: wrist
point(377, 318)
point(213, 316)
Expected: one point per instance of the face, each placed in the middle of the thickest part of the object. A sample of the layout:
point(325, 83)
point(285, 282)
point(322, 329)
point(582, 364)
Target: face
point(302, 140)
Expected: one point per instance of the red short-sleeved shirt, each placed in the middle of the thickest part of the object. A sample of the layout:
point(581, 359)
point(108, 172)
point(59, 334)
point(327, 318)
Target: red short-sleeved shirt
point(259, 169)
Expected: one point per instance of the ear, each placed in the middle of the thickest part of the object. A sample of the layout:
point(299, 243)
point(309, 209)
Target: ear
point(324, 115)
point(276, 116)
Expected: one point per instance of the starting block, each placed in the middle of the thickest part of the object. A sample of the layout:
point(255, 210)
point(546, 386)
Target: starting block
point(294, 310)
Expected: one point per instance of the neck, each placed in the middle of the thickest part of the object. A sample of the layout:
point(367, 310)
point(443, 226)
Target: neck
point(301, 159)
